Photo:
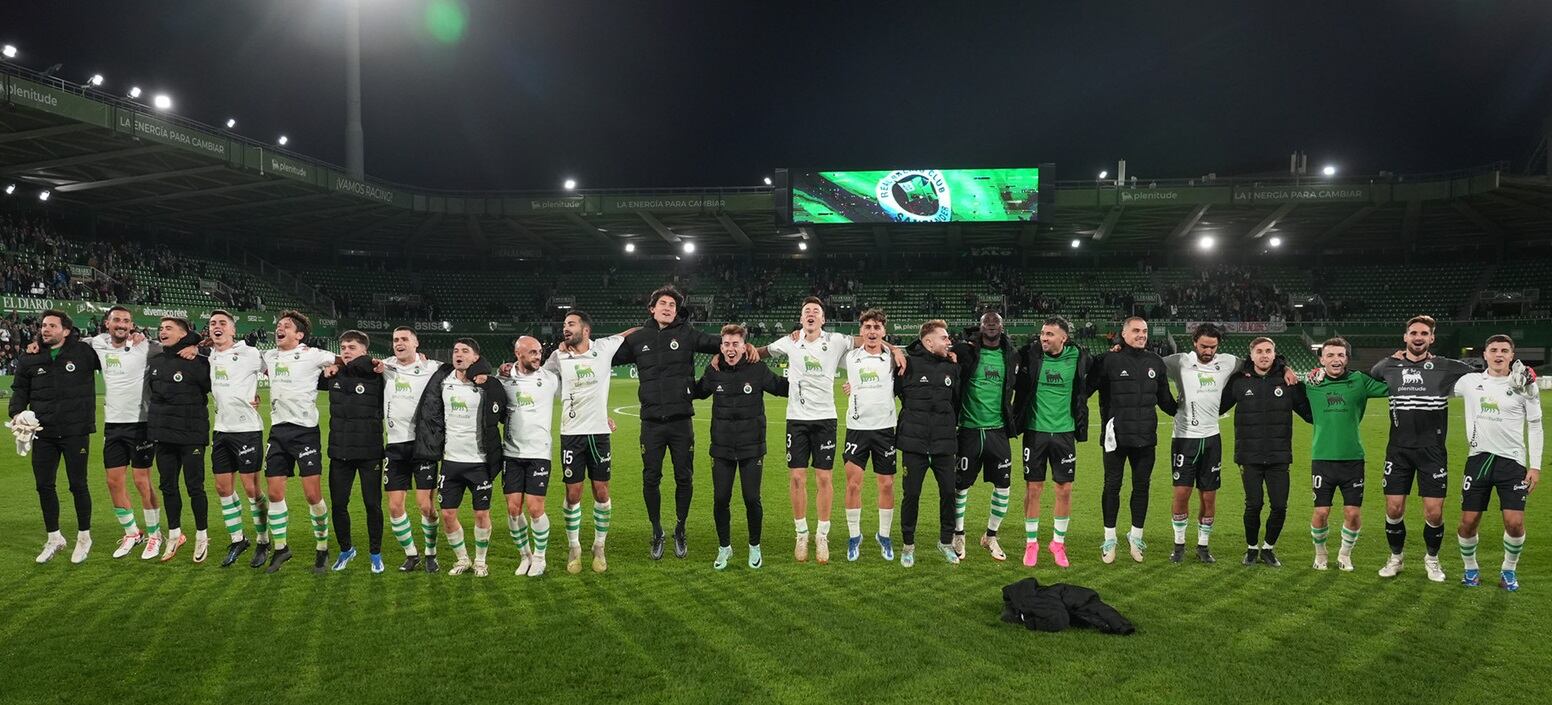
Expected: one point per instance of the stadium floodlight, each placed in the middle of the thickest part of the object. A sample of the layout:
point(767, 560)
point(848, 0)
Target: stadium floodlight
point(1104, 174)
point(689, 248)
point(10, 189)
point(802, 246)
point(9, 51)
point(1076, 243)
point(571, 184)
point(162, 101)
point(231, 123)
point(95, 81)
point(1275, 242)
point(767, 181)
point(134, 91)
point(1328, 170)
point(1206, 242)
point(44, 195)
point(630, 247)
point(282, 141)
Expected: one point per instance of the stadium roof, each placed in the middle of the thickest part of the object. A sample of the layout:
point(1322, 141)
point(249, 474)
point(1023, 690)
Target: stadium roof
point(126, 162)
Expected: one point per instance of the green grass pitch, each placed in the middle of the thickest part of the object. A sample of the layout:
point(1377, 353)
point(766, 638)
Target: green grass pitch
point(128, 631)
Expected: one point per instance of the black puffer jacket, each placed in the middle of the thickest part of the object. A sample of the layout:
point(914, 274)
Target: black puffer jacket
point(179, 410)
point(1263, 426)
point(1031, 359)
point(738, 407)
point(929, 394)
point(1130, 383)
point(665, 363)
point(1052, 608)
point(58, 385)
point(969, 354)
point(355, 411)
point(431, 417)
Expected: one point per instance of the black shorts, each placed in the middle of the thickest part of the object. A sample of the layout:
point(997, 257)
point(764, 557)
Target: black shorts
point(1484, 471)
point(1328, 475)
point(985, 452)
point(1429, 465)
point(811, 444)
point(235, 452)
point(405, 470)
point(125, 444)
point(457, 477)
point(291, 446)
point(879, 445)
point(1197, 462)
point(529, 476)
point(1059, 451)
point(588, 457)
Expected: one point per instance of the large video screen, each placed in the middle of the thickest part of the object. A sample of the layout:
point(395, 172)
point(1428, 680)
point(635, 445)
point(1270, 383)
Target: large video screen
point(916, 196)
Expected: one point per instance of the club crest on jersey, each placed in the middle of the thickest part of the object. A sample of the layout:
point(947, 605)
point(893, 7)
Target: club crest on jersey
point(177, 376)
point(361, 389)
point(1151, 373)
point(70, 367)
point(1276, 392)
point(948, 381)
point(1428, 365)
point(673, 344)
point(748, 388)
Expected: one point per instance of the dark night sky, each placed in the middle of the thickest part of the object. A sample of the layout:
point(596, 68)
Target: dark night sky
point(676, 93)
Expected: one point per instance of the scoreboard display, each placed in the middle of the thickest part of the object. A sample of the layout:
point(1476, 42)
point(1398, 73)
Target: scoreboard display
point(915, 196)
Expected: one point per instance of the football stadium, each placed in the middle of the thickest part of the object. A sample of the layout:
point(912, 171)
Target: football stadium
point(912, 425)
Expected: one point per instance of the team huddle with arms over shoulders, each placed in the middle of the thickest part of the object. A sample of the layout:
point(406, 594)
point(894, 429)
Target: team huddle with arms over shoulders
point(951, 409)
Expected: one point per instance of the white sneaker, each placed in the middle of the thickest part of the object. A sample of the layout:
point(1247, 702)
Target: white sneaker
point(959, 545)
point(172, 547)
point(822, 548)
point(128, 543)
point(800, 553)
point(83, 545)
point(481, 569)
point(462, 566)
point(1107, 551)
point(522, 566)
point(536, 567)
point(153, 546)
point(1392, 566)
point(1345, 562)
point(201, 548)
point(990, 544)
point(1435, 571)
point(51, 547)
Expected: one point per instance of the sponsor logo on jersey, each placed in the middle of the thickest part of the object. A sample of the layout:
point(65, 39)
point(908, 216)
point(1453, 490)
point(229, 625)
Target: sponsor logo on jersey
point(828, 445)
point(1053, 377)
point(811, 364)
point(458, 405)
point(524, 399)
point(1489, 405)
point(281, 370)
point(1333, 400)
point(221, 374)
point(1206, 380)
point(585, 373)
point(402, 385)
point(1411, 376)
point(868, 376)
point(113, 361)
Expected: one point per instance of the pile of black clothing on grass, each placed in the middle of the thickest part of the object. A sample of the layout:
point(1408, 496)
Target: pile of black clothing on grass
point(1052, 608)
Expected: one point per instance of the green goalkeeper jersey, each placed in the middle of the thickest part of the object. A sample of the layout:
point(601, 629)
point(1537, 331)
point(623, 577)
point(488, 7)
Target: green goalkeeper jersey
point(1337, 404)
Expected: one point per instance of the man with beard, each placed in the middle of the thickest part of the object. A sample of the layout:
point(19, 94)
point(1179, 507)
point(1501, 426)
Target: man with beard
point(987, 366)
point(1052, 404)
point(929, 392)
point(122, 353)
point(459, 421)
point(526, 449)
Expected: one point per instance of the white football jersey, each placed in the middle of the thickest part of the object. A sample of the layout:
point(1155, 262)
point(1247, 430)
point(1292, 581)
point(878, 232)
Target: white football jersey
point(461, 412)
point(584, 379)
point(1501, 421)
point(123, 378)
point(234, 382)
point(811, 368)
point(1201, 387)
point(403, 387)
point(871, 406)
point(530, 410)
point(293, 384)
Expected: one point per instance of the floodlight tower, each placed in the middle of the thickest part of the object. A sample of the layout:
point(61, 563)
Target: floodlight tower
point(355, 159)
